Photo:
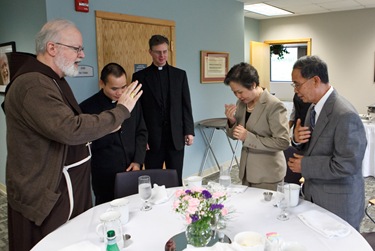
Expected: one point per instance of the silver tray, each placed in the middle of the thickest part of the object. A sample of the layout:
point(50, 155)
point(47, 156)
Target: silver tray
point(178, 242)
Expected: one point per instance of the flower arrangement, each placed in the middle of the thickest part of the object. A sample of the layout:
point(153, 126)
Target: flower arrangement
point(198, 204)
point(201, 209)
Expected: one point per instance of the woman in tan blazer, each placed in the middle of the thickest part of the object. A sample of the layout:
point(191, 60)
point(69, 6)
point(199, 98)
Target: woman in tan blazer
point(260, 121)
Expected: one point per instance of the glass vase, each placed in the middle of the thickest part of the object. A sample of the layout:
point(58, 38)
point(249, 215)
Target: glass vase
point(198, 234)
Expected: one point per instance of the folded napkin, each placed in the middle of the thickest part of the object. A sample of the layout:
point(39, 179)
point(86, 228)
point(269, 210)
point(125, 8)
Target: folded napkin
point(324, 224)
point(159, 194)
point(81, 246)
point(237, 188)
point(217, 247)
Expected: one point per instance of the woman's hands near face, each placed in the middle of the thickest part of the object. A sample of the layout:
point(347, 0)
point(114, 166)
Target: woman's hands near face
point(230, 112)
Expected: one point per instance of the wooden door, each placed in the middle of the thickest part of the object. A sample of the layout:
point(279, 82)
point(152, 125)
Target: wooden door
point(123, 39)
point(260, 59)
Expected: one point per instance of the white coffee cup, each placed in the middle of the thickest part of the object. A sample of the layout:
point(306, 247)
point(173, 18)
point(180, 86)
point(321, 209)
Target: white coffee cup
point(193, 181)
point(293, 191)
point(121, 205)
point(109, 220)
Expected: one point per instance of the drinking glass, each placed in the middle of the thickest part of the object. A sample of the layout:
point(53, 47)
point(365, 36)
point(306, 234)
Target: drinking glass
point(225, 179)
point(213, 223)
point(144, 190)
point(220, 228)
point(283, 200)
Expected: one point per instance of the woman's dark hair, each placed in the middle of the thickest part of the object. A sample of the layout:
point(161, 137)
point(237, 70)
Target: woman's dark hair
point(244, 74)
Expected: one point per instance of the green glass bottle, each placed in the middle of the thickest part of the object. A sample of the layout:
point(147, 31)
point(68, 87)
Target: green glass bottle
point(112, 244)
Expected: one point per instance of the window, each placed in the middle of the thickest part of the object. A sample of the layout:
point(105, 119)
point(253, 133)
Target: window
point(281, 67)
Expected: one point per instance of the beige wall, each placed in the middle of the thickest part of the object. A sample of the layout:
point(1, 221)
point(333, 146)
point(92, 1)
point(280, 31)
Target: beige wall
point(344, 40)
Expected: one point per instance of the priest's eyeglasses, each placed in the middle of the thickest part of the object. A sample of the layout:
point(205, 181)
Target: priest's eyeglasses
point(76, 49)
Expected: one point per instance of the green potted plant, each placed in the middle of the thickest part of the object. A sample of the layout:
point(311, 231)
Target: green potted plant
point(278, 49)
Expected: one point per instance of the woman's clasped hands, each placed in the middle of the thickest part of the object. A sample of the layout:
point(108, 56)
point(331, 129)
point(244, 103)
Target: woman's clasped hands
point(240, 132)
point(230, 112)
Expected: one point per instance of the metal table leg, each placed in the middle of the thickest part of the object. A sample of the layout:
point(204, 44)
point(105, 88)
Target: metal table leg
point(208, 148)
point(214, 124)
point(233, 150)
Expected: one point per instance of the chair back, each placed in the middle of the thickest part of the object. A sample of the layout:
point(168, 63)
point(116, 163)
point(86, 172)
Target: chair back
point(126, 183)
point(370, 238)
point(290, 176)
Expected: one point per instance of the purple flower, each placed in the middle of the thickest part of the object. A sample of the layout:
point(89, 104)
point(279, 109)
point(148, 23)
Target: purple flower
point(206, 194)
point(188, 191)
point(194, 218)
point(216, 206)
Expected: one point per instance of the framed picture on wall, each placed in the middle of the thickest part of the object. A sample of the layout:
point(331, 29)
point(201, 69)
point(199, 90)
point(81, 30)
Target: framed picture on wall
point(214, 66)
point(5, 48)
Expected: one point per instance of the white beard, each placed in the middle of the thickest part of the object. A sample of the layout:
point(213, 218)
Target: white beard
point(68, 70)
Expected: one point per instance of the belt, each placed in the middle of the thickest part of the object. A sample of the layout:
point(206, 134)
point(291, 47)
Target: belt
point(68, 180)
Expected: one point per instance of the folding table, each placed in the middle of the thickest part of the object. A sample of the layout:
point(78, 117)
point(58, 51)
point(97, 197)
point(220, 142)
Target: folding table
point(214, 124)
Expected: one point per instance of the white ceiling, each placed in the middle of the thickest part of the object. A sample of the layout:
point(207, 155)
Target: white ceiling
point(306, 7)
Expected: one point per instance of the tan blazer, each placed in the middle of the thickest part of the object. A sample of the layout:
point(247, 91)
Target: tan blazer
point(262, 157)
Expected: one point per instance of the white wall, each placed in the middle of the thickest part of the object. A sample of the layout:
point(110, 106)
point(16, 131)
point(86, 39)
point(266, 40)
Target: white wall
point(251, 33)
point(344, 40)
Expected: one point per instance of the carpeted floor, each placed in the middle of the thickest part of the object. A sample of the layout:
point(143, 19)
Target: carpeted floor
point(3, 223)
point(366, 226)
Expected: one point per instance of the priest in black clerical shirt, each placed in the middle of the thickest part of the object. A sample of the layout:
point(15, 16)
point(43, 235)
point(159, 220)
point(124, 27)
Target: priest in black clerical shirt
point(166, 109)
point(122, 150)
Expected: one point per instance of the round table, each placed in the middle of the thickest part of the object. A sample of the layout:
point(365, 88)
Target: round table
point(152, 229)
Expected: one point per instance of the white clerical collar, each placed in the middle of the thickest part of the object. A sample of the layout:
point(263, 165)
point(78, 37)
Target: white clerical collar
point(160, 68)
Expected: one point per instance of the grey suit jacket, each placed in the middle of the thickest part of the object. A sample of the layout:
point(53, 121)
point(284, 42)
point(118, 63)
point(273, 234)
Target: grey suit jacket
point(268, 135)
point(332, 163)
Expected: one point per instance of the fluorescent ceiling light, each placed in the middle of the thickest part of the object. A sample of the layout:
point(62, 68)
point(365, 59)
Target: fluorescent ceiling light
point(267, 10)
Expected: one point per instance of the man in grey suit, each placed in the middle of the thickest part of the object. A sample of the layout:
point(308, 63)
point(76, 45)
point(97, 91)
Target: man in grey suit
point(334, 143)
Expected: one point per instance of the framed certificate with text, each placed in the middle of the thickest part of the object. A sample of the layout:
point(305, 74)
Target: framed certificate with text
point(214, 66)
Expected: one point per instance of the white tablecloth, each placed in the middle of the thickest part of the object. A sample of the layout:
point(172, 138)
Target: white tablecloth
point(151, 230)
point(368, 163)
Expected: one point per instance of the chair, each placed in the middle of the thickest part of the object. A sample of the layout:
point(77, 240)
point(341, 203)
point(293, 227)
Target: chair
point(290, 176)
point(126, 183)
point(370, 236)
